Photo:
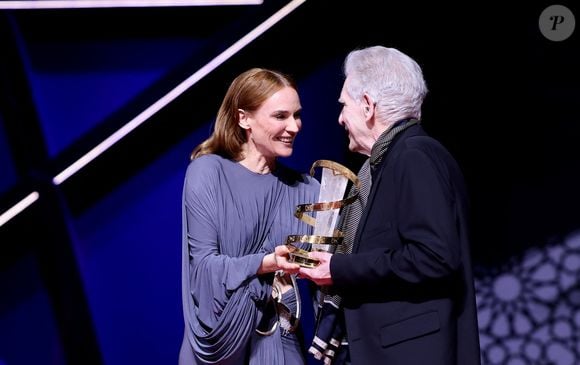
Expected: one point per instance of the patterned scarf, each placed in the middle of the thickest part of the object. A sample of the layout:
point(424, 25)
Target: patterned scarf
point(330, 343)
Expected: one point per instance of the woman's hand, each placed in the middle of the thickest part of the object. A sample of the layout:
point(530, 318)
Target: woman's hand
point(281, 254)
point(278, 260)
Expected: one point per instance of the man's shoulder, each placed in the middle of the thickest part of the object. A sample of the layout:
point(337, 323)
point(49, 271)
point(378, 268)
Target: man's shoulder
point(419, 139)
point(422, 147)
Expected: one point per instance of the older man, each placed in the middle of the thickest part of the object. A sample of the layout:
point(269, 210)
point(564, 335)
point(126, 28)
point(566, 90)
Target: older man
point(406, 285)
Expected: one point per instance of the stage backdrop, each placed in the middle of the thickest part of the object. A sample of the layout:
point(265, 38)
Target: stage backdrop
point(90, 268)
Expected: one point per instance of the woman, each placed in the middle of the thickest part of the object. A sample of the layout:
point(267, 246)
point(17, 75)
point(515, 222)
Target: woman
point(238, 205)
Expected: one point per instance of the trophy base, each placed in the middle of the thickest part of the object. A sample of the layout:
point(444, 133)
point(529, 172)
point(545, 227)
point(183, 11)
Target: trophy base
point(300, 257)
point(303, 260)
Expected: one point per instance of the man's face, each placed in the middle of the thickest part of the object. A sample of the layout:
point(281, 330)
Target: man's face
point(354, 121)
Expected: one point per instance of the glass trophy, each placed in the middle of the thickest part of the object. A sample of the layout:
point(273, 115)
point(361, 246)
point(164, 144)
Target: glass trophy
point(325, 237)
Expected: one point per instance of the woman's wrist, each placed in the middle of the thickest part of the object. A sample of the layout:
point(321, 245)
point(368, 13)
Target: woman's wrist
point(268, 264)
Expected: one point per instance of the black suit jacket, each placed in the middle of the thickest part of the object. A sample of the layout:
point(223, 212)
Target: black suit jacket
point(407, 288)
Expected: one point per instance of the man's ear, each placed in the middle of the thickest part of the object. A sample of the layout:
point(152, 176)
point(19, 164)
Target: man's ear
point(243, 119)
point(368, 105)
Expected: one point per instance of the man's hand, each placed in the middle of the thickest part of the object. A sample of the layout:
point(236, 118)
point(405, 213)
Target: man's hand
point(321, 273)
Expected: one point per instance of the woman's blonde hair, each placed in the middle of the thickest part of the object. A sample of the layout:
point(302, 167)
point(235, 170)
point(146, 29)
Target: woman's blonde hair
point(248, 92)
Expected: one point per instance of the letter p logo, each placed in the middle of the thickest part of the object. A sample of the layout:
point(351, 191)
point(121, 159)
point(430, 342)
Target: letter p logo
point(556, 19)
point(557, 23)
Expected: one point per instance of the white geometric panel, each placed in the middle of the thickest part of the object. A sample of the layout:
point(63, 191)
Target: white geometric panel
point(529, 310)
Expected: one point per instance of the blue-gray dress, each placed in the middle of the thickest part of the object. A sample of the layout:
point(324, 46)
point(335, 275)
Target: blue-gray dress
point(232, 217)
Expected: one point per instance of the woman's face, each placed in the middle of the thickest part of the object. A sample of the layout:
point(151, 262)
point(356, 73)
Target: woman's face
point(273, 127)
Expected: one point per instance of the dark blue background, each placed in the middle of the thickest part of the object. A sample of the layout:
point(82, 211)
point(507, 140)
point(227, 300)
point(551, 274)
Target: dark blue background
point(90, 273)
